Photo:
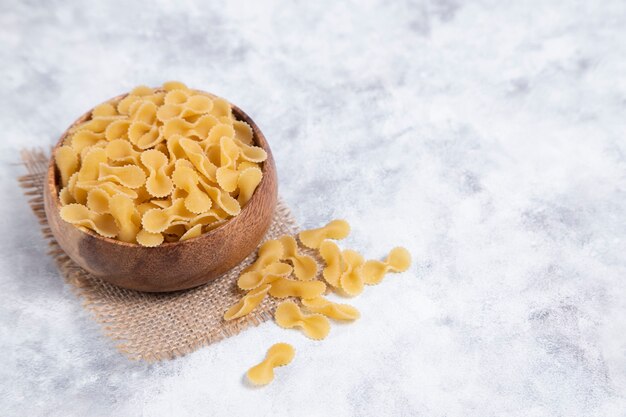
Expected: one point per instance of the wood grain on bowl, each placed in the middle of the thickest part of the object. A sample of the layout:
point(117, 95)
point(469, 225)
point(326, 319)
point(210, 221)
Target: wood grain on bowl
point(170, 266)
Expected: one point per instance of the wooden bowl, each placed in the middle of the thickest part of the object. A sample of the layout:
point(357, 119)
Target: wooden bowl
point(170, 266)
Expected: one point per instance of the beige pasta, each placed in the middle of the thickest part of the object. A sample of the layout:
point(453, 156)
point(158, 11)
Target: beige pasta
point(336, 230)
point(268, 253)
point(280, 354)
point(285, 287)
point(351, 280)
point(304, 266)
point(345, 271)
point(398, 260)
point(253, 279)
point(248, 303)
point(183, 164)
point(331, 254)
point(289, 315)
point(332, 310)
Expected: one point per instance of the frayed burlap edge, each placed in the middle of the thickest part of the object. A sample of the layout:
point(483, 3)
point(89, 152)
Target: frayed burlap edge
point(153, 326)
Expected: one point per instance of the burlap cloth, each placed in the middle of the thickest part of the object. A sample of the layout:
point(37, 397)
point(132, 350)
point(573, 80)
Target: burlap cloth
point(154, 326)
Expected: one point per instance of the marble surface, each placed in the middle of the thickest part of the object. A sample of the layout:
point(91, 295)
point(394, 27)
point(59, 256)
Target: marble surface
point(488, 137)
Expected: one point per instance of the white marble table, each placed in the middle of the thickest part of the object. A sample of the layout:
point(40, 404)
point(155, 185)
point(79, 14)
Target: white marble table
point(487, 137)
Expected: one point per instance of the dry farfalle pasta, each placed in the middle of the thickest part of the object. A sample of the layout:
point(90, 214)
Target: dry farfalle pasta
point(345, 271)
point(248, 303)
point(351, 280)
point(332, 310)
point(398, 260)
point(285, 287)
point(336, 230)
point(288, 315)
point(304, 266)
point(179, 158)
point(252, 279)
point(279, 354)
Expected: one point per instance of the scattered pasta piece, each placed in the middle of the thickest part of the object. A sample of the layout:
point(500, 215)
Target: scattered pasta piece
point(336, 230)
point(279, 354)
point(398, 260)
point(253, 279)
point(284, 287)
point(345, 271)
point(351, 279)
point(248, 303)
point(331, 254)
point(289, 315)
point(329, 309)
point(269, 252)
point(304, 266)
point(156, 147)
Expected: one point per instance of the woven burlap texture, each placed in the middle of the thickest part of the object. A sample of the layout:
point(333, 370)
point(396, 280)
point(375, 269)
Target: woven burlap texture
point(154, 326)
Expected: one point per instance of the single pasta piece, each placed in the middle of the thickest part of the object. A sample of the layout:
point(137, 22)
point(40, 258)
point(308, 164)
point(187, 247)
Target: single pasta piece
point(250, 153)
point(329, 309)
point(336, 230)
point(84, 139)
point(90, 166)
point(351, 279)
point(227, 175)
point(67, 162)
point(243, 132)
point(249, 180)
point(198, 129)
point(80, 215)
point(158, 184)
point(126, 216)
point(120, 150)
point(98, 200)
point(331, 254)
point(289, 315)
point(130, 176)
point(218, 131)
point(284, 287)
point(304, 266)
point(174, 85)
point(221, 198)
point(185, 178)
point(279, 354)
point(117, 130)
point(150, 240)
point(196, 155)
point(269, 252)
point(105, 109)
point(398, 260)
point(253, 279)
point(157, 220)
point(248, 303)
point(194, 231)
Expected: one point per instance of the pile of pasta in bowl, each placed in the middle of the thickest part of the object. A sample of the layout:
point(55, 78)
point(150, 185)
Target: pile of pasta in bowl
point(158, 165)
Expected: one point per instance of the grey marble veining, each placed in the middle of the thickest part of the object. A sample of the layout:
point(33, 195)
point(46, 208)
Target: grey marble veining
point(487, 137)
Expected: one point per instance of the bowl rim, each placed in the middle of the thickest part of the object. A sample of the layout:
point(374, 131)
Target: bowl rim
point(258, 139)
